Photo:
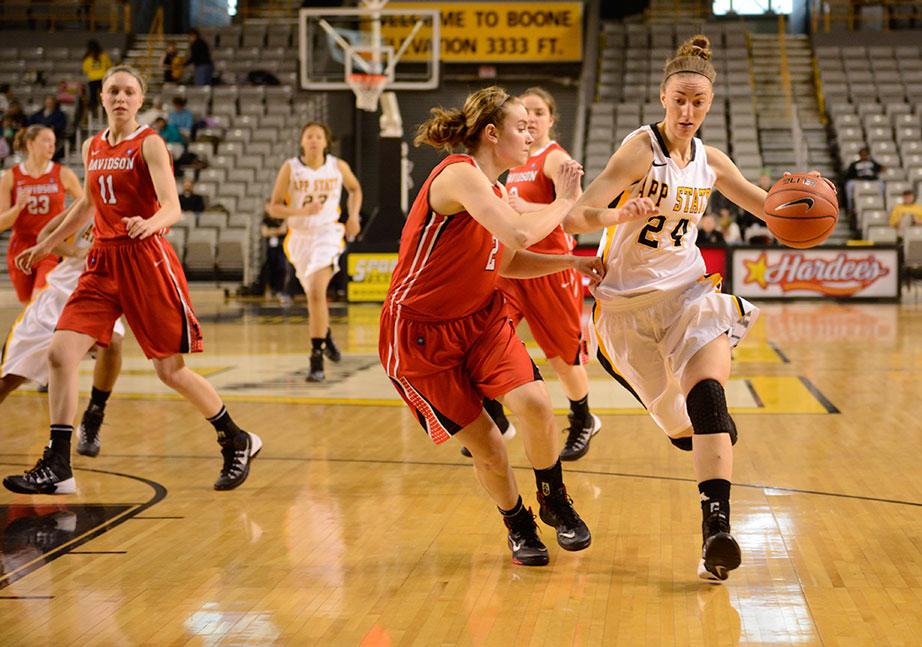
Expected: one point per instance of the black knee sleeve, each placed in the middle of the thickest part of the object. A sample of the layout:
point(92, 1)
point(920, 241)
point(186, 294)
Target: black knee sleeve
point(685, 443)
point(707, 408)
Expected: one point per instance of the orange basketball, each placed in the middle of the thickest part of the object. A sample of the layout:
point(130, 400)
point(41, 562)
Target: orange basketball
point(801, 210)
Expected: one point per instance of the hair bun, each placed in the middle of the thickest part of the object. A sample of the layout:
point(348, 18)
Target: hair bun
point(698, 45)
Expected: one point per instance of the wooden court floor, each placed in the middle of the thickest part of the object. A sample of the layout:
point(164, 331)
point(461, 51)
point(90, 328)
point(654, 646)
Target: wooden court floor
point(353, 529)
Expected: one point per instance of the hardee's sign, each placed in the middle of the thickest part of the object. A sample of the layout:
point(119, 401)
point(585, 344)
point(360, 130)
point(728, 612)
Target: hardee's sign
point(816, 272)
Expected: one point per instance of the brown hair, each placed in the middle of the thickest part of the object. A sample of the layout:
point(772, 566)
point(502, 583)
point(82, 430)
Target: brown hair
point(448, 129)
point(548, 99)
point(692, 57)
point(26, 135)
point(326, 133)
point(128, 69)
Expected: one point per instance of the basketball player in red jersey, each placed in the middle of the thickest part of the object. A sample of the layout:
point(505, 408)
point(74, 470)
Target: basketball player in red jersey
point(552, 304)
point(31, 194)
point(445, 340)
point(130, 270)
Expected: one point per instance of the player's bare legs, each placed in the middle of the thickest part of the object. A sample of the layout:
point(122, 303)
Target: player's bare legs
point(573, 378)
point(9, 383)
point(318, 312)
point(64, 355)
point(237, 446)
point(703, 382)
point(105, 373)
point(532, 406)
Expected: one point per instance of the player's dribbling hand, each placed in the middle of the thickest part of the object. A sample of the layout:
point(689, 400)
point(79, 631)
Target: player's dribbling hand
point(141, 228)
point(27, 258)
point(591, 266)
point(638, 209)
point(567, 183)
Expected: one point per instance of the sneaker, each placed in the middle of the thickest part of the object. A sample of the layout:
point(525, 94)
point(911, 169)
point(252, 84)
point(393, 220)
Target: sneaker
point(237, 462)
point(557, 511)
point(331, 350)
point(578, 437)
point(508, 434)
point(51, 475)
point(720, 553)
point(88, 433)
point(527, 548)
point(316, 373)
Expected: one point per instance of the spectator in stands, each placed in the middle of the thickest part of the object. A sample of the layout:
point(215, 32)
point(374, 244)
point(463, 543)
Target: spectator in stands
point(6, 95)
point(52, 116)
point(95, 64)
point(156, 111)
point(729, 228)
point(189, 200)
point(275, 270)
point(907, 213)
point(708, 234)
point(181, 117)
point(200, 58)
point(169, 132)
point(862, 169)
point(16, 117)
point(172, 64)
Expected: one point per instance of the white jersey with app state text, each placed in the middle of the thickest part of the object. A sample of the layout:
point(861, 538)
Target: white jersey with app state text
point(658, 254)
point(307, 185)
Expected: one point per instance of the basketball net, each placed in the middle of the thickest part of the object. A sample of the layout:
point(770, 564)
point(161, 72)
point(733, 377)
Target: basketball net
point(367, 89)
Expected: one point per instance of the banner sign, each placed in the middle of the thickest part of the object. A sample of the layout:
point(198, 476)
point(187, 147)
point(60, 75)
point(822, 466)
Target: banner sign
point(369, 276)
point(845, 272)
point(492, 32)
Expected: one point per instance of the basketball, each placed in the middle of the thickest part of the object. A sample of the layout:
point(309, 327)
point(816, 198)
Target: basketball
point(801, 210)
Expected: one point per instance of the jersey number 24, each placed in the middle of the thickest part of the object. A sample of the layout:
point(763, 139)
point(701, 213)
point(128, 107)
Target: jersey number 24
point(655, 225)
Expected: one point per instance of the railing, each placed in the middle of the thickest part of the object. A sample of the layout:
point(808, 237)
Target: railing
point(155, 35)
point(785, 67)
point(54, 15)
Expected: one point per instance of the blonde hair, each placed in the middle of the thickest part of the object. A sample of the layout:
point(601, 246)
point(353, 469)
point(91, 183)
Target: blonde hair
point(448, 129)
point(26, 135)
point(548, 99)
point(128, 69)
point(692, 57)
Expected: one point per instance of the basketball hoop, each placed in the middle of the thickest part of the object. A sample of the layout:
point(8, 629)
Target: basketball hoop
point(367, 89)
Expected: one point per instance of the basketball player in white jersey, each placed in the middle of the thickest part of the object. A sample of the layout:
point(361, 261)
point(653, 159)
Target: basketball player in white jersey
point(662, 328)
point(311, 185)
point(25, 353)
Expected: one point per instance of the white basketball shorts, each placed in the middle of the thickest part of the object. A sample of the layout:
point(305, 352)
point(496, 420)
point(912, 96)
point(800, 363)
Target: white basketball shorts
point(314, 249)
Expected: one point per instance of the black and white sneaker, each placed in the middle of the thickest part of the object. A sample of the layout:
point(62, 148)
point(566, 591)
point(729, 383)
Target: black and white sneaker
point(508, 434)
point(88, 433)
point(51, 475)
point(527, 548)
point(316, 373)
point(237, 461)
point(330, 349)
point(558, 512)
point(578, 437)
point(720, 553)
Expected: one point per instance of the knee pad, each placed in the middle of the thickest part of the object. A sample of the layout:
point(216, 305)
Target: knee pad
point(685, 443)
point(707, 408)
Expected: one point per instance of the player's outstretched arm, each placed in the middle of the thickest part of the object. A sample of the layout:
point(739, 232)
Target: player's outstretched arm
point(731, 183)
point(523, 264)
point(461, 187)
point(627, 167)
point(552, 165)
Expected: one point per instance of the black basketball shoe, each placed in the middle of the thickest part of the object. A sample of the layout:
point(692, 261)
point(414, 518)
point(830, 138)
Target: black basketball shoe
point(237, 458)
point(51, 475)
point(558, 512)
point(330, 349)
point(579, 433)
point(316, 373)
point(88, 433)
point(720, 553)
point(527, 548)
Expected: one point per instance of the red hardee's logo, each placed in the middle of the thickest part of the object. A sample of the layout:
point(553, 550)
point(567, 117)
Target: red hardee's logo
point(840, 276)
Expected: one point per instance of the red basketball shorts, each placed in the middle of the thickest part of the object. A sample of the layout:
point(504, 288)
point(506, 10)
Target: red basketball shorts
point(26, 284)
point(443, 369)
point(143, 280)
point(553, 307)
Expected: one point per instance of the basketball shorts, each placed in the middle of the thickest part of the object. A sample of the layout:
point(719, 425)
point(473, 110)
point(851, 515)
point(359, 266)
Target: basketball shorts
point(26, 284)
point(26, 350)
point(646, 346)
point(553, 307)
point(310, 250)
point(143, 280)
point(443, 369)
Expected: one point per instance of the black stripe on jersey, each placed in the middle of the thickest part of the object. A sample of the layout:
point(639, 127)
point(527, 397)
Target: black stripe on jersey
point(660, 140)
point(620, 380)
point(614, 203)
point(739, 304)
